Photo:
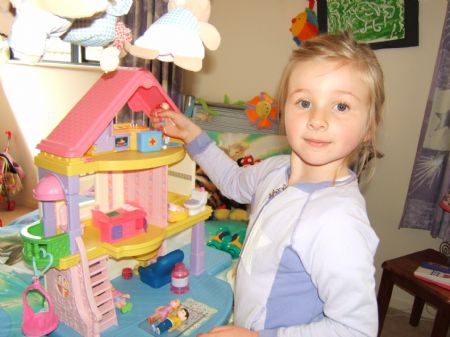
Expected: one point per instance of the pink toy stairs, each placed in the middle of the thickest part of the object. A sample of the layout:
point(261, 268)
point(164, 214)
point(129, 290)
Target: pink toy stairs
point(98, 286)
point(82, 294)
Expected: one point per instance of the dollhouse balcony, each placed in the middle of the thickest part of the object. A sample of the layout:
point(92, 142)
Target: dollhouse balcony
point(33, 241)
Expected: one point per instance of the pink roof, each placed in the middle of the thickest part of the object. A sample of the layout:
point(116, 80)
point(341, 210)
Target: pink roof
point(82, 126)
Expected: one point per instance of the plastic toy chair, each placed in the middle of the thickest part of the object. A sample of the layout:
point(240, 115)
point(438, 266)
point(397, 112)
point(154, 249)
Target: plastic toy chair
point(220, 239)
point(234, 246)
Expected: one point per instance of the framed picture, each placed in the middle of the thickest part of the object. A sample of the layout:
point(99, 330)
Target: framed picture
point(380, 23)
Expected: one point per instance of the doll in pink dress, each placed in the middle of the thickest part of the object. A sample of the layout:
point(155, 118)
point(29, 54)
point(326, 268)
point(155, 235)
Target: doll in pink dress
point(161, 313)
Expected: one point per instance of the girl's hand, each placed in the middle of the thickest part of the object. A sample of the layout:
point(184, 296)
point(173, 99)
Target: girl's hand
point(229, 331)
point(175, 124)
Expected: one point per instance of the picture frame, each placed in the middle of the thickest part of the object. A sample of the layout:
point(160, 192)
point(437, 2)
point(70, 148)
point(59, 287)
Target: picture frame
point(380, 23)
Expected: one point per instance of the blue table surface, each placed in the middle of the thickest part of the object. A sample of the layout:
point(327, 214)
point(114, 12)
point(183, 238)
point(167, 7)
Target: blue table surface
point(207, 289)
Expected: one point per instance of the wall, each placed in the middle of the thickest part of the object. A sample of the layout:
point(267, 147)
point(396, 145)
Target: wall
point(33, 99)
point(6, 17)
point(250, 60)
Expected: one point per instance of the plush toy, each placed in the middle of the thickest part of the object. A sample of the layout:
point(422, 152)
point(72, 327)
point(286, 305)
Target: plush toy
point(103, 30)
point(262, 111)
point(305, 25)
point(38, 20)
point(237, 214)
point(179, 35)
point(72, 9)
point(98, 31)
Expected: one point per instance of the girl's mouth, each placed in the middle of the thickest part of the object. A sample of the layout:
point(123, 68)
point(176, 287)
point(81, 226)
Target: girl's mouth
point(317, 142)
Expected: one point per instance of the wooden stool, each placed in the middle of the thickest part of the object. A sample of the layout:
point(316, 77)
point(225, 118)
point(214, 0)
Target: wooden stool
point(400, 271)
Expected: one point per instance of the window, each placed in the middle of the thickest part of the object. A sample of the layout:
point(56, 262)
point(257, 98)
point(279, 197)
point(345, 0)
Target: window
point(58, 50)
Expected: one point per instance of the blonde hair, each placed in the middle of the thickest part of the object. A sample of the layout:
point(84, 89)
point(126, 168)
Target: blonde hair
point(343, 48)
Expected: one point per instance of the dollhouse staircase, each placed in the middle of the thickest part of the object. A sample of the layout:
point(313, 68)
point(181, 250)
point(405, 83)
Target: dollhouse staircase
point(98, 288)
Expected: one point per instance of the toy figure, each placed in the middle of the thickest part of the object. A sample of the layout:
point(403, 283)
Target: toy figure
point(161, 313)
point(121, 300)
point(84, 22)
point(305, 24)
point(179, 36)
point(445, 202)
point(37, 21)
point(172, 322)
point(11, 175)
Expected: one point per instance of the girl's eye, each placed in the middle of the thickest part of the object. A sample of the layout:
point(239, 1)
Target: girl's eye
point(341, 107)
point(304, 104)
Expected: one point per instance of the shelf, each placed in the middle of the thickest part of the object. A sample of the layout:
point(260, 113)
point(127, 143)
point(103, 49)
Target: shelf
point(143, 244)
point(113, 161)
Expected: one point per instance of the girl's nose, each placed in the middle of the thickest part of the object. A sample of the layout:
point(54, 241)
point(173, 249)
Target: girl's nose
point(317, 121)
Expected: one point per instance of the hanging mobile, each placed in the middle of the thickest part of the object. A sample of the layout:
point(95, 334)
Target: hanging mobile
point(40, 323)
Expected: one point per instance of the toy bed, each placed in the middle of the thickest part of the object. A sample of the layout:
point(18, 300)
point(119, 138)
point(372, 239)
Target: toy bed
point(209, 296)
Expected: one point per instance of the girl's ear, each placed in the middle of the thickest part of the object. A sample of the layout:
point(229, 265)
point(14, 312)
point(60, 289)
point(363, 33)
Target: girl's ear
point(369, 134)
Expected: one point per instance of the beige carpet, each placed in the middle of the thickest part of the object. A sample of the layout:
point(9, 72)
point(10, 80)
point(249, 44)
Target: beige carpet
point(397, 324)
point(7, 216)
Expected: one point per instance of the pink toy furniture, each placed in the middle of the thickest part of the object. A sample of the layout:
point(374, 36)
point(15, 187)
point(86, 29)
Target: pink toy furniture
point(37, 324)
point(119, 224)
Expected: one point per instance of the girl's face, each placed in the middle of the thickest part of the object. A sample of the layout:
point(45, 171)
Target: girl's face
point(326, 114)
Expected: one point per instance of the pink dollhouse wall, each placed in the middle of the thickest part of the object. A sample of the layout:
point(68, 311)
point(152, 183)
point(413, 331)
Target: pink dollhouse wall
point(148, 188)
point(69, 297)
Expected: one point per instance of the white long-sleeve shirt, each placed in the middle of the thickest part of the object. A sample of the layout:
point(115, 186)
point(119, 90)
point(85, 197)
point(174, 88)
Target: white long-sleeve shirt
point(307, 267)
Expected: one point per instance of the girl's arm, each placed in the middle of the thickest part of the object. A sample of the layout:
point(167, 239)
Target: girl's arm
point(229, 331)
point(234, 182)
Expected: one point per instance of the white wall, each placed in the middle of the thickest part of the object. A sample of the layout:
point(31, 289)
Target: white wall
point(250, 60)
point(33, 99)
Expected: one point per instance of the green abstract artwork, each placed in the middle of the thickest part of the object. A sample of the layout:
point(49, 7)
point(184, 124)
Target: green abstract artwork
point(370, 21)
point(386, 23)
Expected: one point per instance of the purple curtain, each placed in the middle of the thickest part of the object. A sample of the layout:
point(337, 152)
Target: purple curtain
point(142, 13)
point(426, 204)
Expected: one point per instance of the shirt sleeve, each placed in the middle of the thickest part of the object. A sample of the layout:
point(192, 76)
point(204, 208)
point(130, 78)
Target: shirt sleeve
point(234, 182)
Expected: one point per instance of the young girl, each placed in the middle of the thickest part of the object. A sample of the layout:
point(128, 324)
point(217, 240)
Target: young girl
point(306, 268)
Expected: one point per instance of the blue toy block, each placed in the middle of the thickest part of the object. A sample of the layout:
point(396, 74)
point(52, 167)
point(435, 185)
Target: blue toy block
point(149, 141)
point(158, 274)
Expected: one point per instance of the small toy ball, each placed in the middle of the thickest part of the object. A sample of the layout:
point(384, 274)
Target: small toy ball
point(127, 273)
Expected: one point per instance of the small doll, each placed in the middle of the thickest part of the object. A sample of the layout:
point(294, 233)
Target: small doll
point(172, 322)
point(121, 301)
point(161, 313)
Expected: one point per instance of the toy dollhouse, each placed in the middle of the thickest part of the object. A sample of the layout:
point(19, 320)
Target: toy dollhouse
point(124, 215)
